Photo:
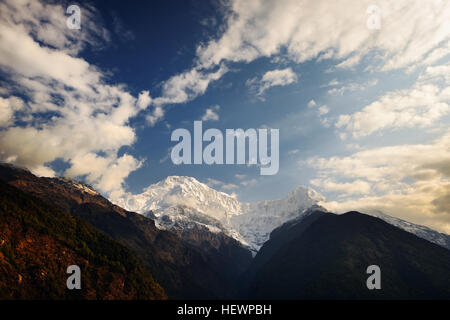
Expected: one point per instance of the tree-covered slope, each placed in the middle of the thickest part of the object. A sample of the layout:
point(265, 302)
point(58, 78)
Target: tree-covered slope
point(38, 242)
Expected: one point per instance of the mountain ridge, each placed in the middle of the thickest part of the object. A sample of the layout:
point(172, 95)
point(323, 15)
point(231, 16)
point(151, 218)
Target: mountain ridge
point(182, 267)
point(325, 256)
point(39, 241)
point(248, 223)
point(195, 258)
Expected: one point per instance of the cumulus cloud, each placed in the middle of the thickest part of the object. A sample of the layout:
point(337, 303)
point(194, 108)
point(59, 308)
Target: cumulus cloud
point(156, 114)
point(309, 30)
point(8, 107)
point(273, 78)
point(321, 111)
point(423, 204)
point(182, 88)
point(312, 104)
point(436, 73)
point(70, 111)
point(211, 113)
point(186, 86)
point(346, 188)
point(408, 181)
point(338, 30)
point(144, 100)
point(419, 106)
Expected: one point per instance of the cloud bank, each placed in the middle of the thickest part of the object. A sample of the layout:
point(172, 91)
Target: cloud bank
point(67, 109)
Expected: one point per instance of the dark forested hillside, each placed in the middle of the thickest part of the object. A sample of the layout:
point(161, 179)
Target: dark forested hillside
point(325, 256)
point(38, 242)
point(186, 268)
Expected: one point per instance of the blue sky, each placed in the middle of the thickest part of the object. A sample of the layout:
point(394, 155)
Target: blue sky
point(363, 112)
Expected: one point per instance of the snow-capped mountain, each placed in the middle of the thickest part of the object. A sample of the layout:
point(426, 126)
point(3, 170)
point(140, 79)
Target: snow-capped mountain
point(258, 219)
point(183, 202)
point(178, 202)
point(420, 231)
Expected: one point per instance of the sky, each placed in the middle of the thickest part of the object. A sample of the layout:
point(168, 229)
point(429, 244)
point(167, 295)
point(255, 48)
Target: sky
point(358, 89)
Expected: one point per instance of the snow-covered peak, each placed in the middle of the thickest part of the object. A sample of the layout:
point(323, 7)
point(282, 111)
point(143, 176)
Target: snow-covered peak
point(249, 223)
point(259, 219)
point(182, 181)
point(184, 191)
point(183, 202)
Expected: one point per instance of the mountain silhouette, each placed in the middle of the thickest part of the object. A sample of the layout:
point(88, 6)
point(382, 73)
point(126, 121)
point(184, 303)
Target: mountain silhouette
point(325, 256)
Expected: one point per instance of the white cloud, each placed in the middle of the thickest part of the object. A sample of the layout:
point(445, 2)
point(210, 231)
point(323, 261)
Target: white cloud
point(43, 171)
point(213, 182)
point(436, 73)
point(334, 83)
point(393, 163)
point(337, 30)
point(349, 62)
point(156, 114)
point(353, 86)
point(323, 110)
point(249, 182)
point(316, 30)
point(419, 106)
point(216, 184)
point(230, 186)
point(8, 107)
point(46, 22)
point(347, 188)
point(186, 86)
point(437, 54)
point(211, 113)
point(312, 104)
point(71, 112)
point(407, 181)
point(144, 100)
point(273, 78)
point(182, 88)
point(424, 204)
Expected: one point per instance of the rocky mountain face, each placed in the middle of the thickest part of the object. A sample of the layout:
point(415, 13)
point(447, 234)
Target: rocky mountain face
point(325, 256)
point(185, 268)
point(184, 202)
point(39, 241)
